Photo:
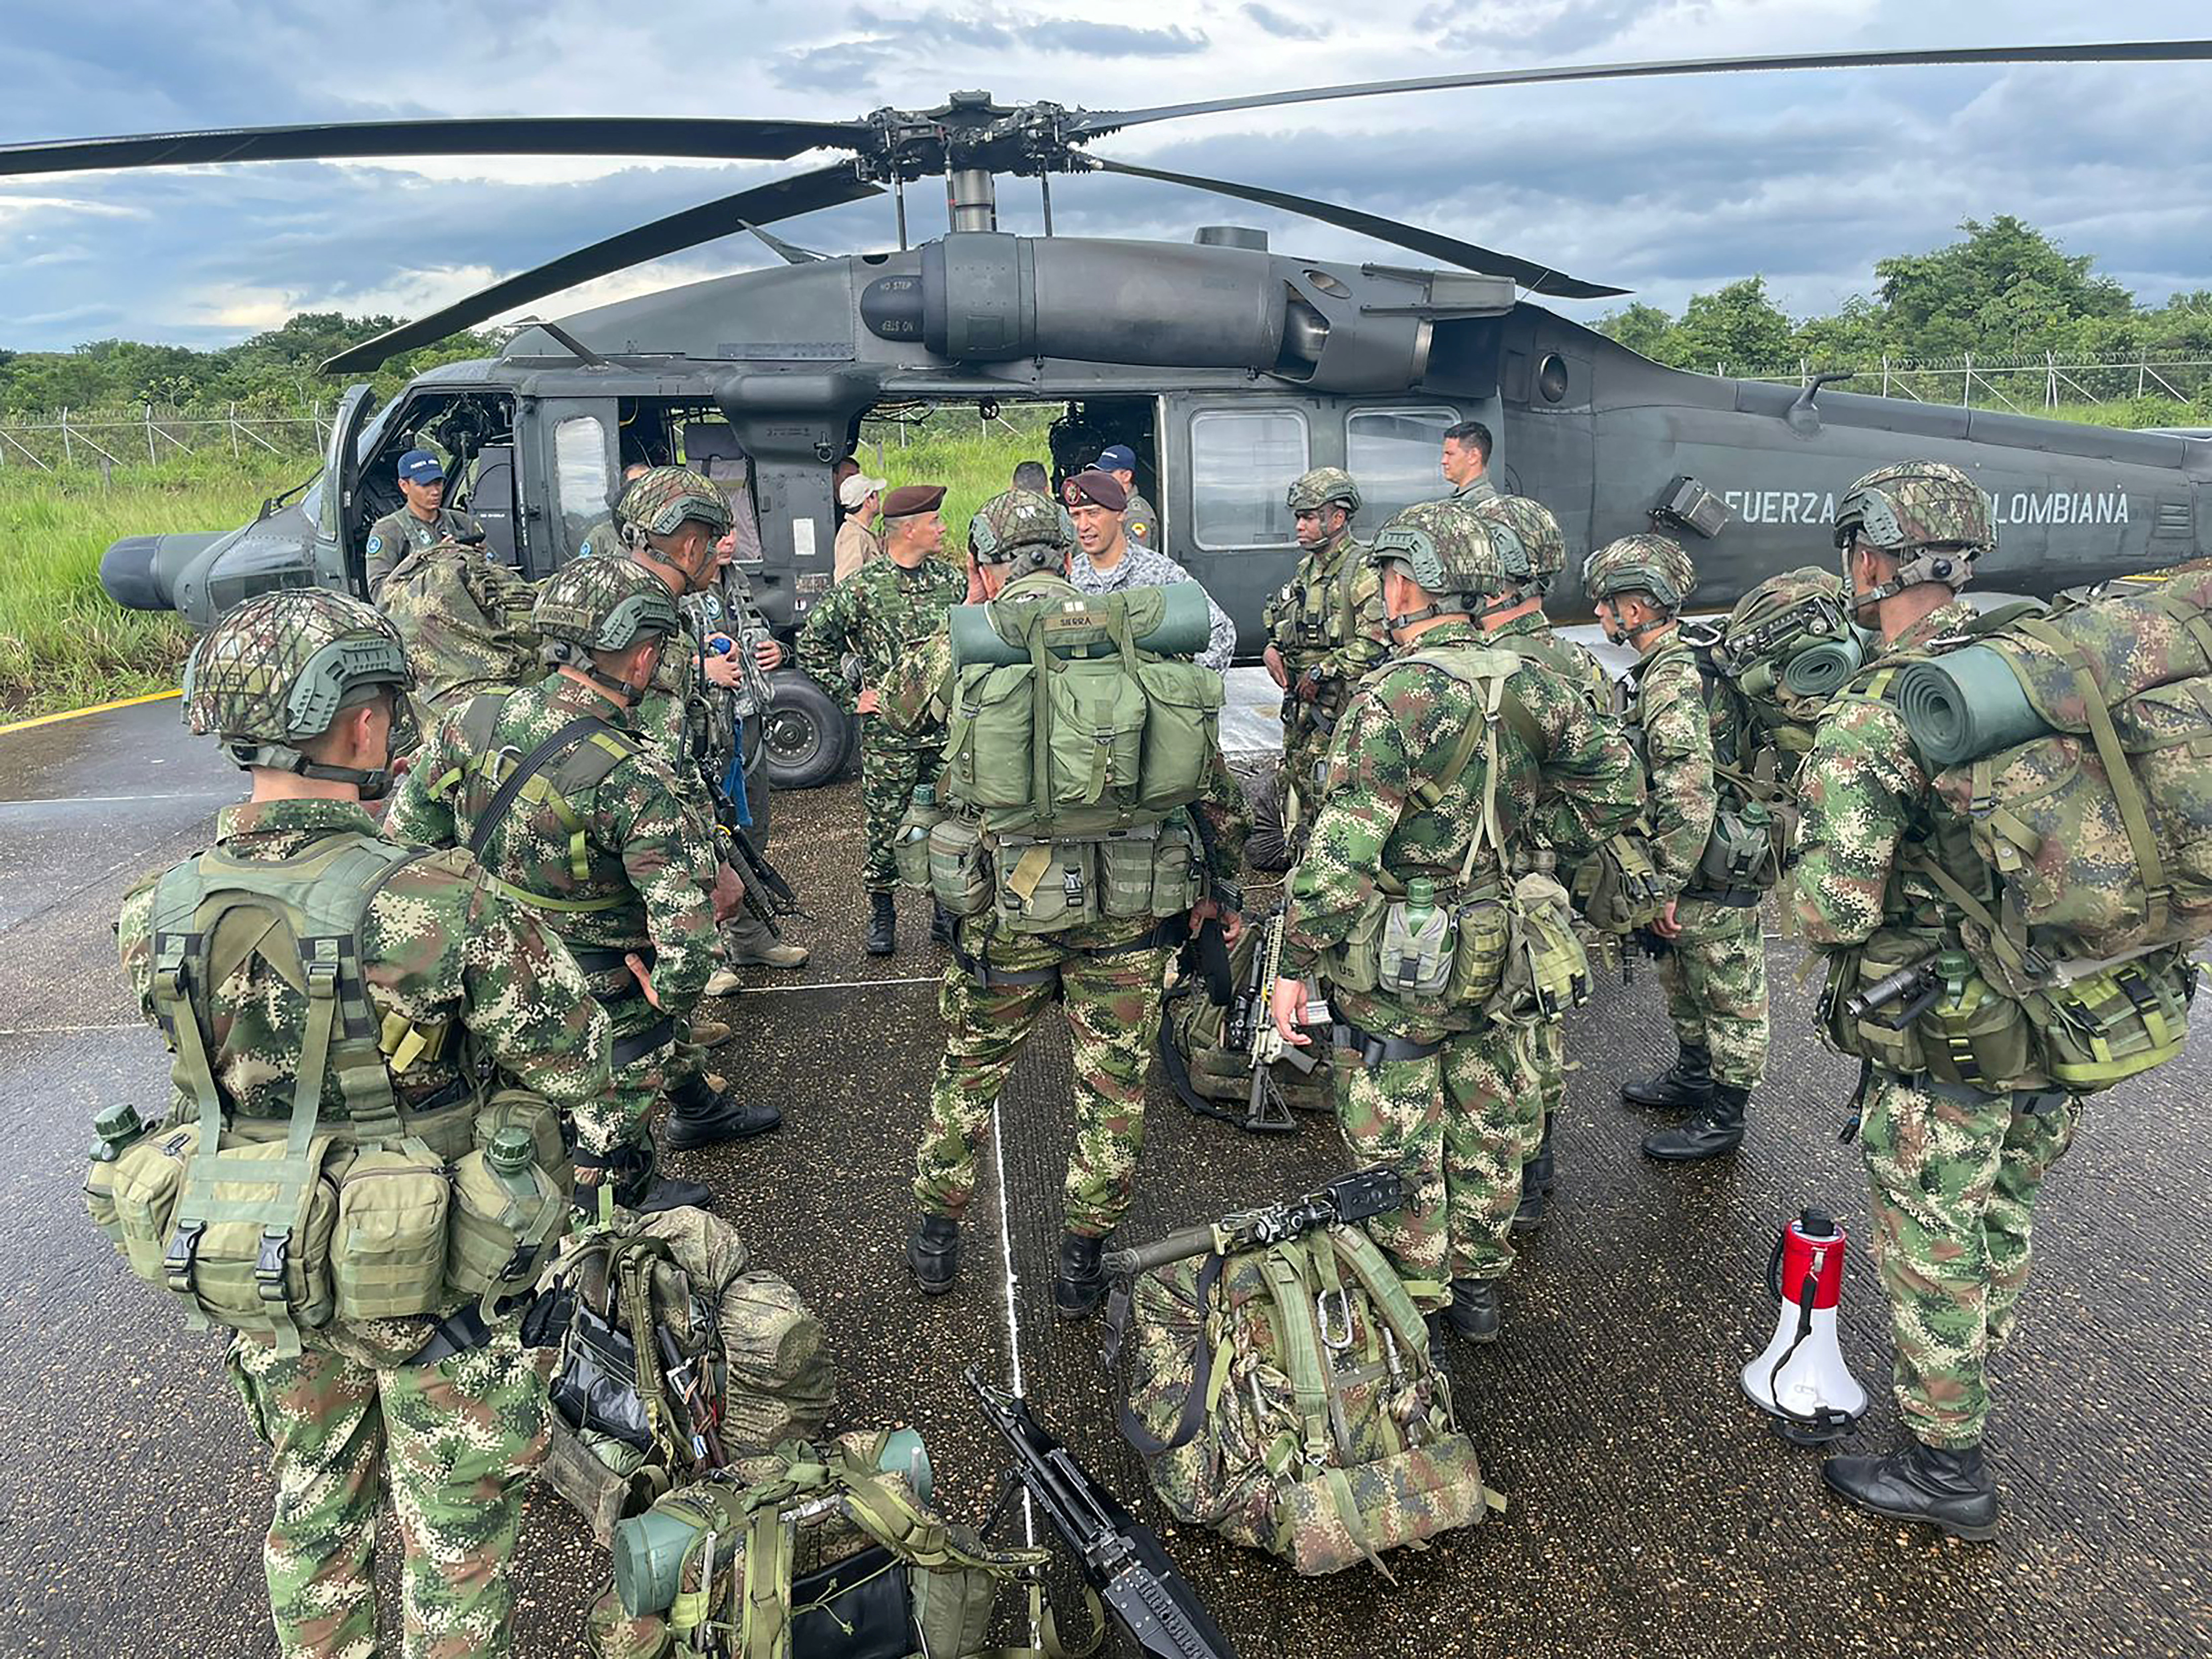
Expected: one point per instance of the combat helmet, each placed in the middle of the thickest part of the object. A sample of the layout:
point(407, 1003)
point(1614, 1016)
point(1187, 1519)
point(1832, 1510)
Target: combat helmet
point(601, 604)
point(1529, 541)
point(1317, 488)
point(1928, 515)
point(279, 668)
point(1655, 565)
point(661, 499)
point(1789, 645)
point(1448, 550)
point(1019, 524)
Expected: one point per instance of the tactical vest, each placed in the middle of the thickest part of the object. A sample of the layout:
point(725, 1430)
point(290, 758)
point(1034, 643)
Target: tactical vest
point(1073, 757)
point(357, 1206)
point(1307, 620)
point(485, 790)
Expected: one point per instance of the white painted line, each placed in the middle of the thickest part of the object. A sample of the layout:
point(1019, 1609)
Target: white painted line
point(742, 993)
point(120, 801)
point(1013, 1322)
point(73, 1031)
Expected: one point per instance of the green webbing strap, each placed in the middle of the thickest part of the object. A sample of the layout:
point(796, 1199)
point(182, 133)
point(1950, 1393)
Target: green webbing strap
point(565, 906)
point(1386, 1291)
point(764, 1629)
point(1428, 790)
point(2117, 771)
point(629, 1288)
point(1300, 1336)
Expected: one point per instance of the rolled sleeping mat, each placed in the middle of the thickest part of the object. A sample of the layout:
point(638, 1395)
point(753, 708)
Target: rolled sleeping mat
point(1966, 704)
point(1174, 620)
point(1823, 670)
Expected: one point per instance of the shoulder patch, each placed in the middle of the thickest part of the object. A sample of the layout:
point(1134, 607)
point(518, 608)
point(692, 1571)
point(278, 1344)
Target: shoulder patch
point(376, 545)
point(584, 550)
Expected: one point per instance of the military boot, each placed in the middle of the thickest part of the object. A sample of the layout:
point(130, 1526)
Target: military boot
point(1687, 1086)
point(706, 1117)
point(882, 924)
point(638, 1184)
point(1080, 1285)
point(1953, 1491)
point(1436, 1324)
point(940, 925)
point(1473, 1312)
point(747, 942)
point(1536, 1177)
point(1715, 1132)
point(933, 1253)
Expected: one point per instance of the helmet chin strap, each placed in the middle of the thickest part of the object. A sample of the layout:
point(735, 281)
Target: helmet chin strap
point(374, 784)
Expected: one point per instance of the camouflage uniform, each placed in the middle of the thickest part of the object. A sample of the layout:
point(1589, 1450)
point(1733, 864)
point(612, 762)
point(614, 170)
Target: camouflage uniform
point(1953, 1171)
point(465, 622)
point(398, 534)
point(1457, 1120)
point(347, 1420)
point(882, 613)
point(1106, 976)
point(1326, 623)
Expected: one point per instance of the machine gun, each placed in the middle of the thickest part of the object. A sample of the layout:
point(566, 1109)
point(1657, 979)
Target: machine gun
point(1347, 1199)
point(1121, 1561)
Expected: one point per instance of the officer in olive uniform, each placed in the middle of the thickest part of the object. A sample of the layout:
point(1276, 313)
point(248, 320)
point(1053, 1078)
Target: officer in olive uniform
point(1324, 629)
point(1140, 520)
point(1426, 803)
point(1694, 731)
point(880, 615)
point(423, 521)
point(1466, 462)
point(577, 816)
point(305, 690)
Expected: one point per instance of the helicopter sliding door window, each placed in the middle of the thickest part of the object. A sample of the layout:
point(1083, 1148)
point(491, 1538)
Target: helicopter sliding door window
point(1394, 455)
point(1240, 461)
point(583, 474)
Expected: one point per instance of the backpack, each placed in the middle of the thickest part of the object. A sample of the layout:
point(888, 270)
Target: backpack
point(277, 1227)
point(465, 621)
point(1283, 1396)
point(673, 1358)
point(1206, 1046)
point(1072, 753)
point(828, 1551)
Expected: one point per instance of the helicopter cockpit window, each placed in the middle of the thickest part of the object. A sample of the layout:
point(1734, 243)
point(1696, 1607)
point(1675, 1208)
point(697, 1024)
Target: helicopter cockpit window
point(1393, 453)
point(580, 475)
point(1240, 460)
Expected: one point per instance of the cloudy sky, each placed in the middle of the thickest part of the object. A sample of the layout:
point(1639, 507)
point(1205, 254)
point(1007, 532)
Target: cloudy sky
point(1663, 186)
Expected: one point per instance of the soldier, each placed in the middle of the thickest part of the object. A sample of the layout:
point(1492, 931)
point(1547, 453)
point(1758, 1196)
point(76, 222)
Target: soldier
point(1140, 520)
point(554, 788)
point(1953, 1170)
point(422, 521)
point(881, 615)
point(1422, 787)
point(1533, 552)
point(1097, 504)
point(859, 498)
point(1466, 462)
point(305, 689)
point(1106, 974)
point(1689, 723)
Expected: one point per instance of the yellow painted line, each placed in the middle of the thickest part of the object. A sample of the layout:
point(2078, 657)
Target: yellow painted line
point(79, 713)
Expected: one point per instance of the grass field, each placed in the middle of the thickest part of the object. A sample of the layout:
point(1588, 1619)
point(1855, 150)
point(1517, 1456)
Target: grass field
point(63, 641)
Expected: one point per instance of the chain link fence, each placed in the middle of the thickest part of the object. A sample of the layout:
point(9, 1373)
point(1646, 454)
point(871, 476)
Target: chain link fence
point(150, 434)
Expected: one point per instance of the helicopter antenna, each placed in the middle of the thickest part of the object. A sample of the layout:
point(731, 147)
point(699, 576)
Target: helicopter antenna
point(1044, 189)
point(898, 203)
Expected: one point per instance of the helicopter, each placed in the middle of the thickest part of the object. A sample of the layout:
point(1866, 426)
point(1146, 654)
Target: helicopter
point(1228, 367)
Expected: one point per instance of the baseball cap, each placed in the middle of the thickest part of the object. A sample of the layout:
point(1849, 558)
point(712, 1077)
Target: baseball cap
point(856, 489)
point(421, 466)
point(1117, 458)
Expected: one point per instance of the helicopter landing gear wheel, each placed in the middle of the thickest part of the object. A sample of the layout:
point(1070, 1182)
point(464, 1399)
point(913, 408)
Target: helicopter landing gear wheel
point(808, 738)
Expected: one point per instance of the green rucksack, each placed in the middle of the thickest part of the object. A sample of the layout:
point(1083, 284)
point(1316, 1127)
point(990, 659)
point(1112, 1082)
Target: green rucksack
point(1072, 753)
point(1283, 1396)
point(465, 623)
point(2070, 753)
point(355, 1206)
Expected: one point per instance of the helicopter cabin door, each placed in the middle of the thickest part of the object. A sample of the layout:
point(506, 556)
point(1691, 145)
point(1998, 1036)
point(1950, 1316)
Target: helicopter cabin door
point(340, 525)
point(569, 443)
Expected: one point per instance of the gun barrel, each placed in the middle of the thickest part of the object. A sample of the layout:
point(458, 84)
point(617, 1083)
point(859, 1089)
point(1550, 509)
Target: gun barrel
point(1887, 989)
point(1176, 1246)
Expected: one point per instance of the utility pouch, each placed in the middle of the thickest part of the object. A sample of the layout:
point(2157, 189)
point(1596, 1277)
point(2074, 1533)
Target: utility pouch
point(2115, 1024)
point(142, 1187)
point(1974, 1034)
point(1888, 1036)
point(1095, 726)
point(1617, 887)
point(1743, 854)
point(1547, 970)
point(505, 1222)
point(1355, 963)
point(1045, 886)
point(249, 1274)
point(1125, 871)
point(1177, 868)
point(987, 747)
point(1416, 949)
point(1182, 717)
point(910, 845)
point(959, 867)
point(1482, 934)
point(388, 1255)
point(527, 1111)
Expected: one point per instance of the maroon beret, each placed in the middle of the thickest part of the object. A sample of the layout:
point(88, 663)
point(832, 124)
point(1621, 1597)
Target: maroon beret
point(1096, 489)
point(910, 499)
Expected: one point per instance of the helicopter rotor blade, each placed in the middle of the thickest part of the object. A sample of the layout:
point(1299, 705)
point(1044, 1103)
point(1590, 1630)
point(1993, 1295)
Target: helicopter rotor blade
point(716, 138)
point(1083, 124)
point(1471, 256)
point(785, 199)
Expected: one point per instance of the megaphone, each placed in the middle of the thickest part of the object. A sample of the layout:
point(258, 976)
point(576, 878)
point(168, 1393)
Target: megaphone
point(1800, 1379)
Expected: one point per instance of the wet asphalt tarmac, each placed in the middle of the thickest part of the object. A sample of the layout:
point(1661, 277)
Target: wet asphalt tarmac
point(1652, 1511)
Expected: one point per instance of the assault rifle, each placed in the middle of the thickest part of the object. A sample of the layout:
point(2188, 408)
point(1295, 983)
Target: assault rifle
point(1250, 1025)
point(1121, 1561)
point(768, 896)
point(1355, 1197)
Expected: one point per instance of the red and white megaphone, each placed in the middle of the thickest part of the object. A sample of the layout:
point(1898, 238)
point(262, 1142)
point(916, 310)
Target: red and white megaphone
point(1801, 1379)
